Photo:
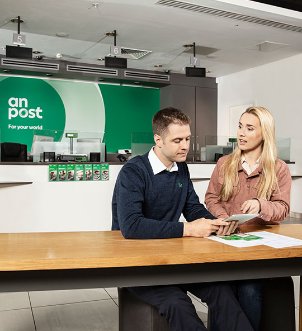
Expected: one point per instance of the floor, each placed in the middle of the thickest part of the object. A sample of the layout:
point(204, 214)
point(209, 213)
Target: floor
point(76, 310)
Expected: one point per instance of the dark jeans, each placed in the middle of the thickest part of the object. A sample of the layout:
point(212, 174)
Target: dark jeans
point(176, 306)
point(250, 296)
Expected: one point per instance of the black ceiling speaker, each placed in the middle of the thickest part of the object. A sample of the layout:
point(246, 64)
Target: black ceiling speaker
point(195, 72)
point(115, 62)
point(19, 52)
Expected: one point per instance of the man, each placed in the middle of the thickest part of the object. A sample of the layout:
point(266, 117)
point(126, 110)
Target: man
point(150, 194)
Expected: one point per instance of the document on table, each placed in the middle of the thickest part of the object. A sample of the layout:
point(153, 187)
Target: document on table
point(277, 240)
point(239, 240)
point(256, 238)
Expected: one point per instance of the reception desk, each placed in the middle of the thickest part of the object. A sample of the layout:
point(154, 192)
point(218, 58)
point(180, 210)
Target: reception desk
point(30, 203)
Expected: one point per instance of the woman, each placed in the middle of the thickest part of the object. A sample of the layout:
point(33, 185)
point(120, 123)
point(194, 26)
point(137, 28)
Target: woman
point(251, 180)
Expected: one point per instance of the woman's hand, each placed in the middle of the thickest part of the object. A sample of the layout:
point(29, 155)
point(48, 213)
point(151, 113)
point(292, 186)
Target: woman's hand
point(251, 206)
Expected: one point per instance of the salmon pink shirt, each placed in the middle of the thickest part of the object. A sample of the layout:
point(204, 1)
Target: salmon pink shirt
point(272, 211)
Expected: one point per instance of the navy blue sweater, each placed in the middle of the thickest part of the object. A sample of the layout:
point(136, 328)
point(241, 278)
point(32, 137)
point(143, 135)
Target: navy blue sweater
point(147, 206)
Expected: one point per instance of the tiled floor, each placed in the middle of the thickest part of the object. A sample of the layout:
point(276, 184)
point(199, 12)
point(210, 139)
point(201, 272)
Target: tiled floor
point(76, 310)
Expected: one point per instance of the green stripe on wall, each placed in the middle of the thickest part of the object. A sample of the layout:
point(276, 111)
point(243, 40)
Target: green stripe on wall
point(127, 110)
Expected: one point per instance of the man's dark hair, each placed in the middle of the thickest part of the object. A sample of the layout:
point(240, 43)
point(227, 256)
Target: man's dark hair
point(163, 118)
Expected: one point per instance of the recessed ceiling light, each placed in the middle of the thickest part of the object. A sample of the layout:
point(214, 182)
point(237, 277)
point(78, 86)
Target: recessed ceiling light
point(95, 5)
point(62, 34)
point(111, 34)
point(100, 59)
point(37, 52)
point(158, 65)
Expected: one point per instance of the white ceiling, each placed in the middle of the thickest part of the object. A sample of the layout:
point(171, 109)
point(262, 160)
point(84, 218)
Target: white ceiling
point(144, 24)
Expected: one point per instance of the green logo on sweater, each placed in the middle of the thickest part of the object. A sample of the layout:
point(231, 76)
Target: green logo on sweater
point(179, 185)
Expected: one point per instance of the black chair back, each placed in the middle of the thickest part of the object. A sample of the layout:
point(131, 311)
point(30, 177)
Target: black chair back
point(13, 152)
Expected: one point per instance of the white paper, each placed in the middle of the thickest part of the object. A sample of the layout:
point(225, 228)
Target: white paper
point(277, 240)
point(266, 238)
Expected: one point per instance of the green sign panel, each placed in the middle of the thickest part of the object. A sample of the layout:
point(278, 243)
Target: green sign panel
point(29, 107)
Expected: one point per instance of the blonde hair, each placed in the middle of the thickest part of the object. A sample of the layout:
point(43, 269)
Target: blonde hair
point(268, 179)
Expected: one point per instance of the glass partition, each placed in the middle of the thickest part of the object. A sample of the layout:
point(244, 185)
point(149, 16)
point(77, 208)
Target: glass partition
point(283, 148)
point(71, 142)
point(216, 146)
point(141, 142)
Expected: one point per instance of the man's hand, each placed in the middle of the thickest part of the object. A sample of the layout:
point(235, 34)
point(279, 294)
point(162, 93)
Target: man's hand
point(203, 227)
point(226, 230)
point(251, 206)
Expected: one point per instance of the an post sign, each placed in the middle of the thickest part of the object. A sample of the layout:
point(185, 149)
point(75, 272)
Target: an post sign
point(27, 107)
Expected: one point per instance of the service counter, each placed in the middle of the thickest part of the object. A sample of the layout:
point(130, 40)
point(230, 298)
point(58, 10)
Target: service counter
point(31, 203)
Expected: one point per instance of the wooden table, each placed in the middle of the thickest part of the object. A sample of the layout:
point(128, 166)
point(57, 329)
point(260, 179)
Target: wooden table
point(49, 261)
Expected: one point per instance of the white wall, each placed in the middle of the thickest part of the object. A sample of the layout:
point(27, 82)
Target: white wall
point(277, 86)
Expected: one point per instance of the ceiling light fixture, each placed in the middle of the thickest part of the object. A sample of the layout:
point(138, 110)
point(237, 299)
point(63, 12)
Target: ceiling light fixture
point(111, 34)
point(62, 34)
point(95, 5)
point(17, 20)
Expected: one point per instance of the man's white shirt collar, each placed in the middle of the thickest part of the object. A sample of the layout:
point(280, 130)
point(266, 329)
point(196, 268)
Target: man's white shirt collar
point(156, 164)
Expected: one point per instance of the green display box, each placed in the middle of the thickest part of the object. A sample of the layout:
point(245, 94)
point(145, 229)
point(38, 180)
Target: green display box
point(70, 172)
point(53, 172)
point(96, 170)
point(88, 172)
point(79, 172)
point(62, 171)
point(104, 171)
